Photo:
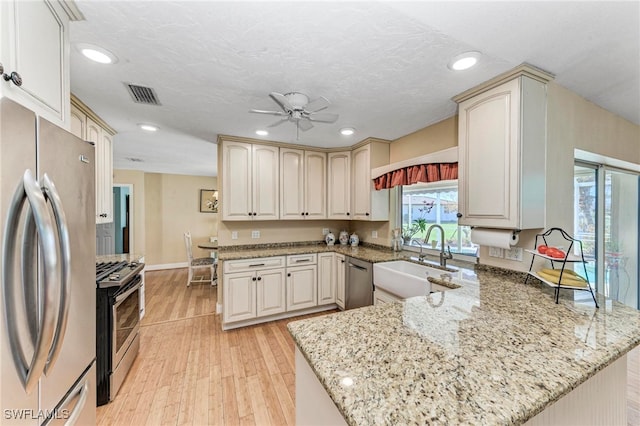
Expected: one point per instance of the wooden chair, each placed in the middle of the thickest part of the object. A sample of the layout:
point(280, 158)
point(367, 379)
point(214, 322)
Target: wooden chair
point(201, 263)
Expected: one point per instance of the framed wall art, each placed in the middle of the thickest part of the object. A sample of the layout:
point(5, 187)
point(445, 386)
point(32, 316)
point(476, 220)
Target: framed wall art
point(208, 201)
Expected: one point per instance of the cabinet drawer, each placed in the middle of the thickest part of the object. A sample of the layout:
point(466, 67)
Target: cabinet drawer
point(302, 259)
point(243, 265)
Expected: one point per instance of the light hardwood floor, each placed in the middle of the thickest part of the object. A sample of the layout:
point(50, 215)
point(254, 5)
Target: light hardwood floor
point(190, 372)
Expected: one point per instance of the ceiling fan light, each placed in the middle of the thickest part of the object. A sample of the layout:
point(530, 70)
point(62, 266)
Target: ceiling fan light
point(464, 61)
point(262, 132)
point(347, 131)
point(148, 127)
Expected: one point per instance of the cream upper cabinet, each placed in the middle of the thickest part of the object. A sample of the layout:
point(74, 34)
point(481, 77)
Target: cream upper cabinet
point(366, 202)
point(78, 123)
point(103, 142)
point(303, 177)
point(35, 45)
point(249, 181)
point(502, 140)
point(339, 185)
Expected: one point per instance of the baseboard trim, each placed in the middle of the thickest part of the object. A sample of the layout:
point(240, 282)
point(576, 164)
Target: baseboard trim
point(231, 325)
point(166, 266)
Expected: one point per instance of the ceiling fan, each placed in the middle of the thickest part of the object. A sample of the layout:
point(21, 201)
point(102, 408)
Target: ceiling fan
point(297, 109)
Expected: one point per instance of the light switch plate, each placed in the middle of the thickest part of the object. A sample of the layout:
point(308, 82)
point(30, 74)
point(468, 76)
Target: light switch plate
point(234, 235)
point(325, 231)
point(514, 253)
point(495, 252)
point(255, 234)
point(374, 234)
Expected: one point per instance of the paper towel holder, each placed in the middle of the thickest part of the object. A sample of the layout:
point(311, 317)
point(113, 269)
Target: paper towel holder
point(514, 232)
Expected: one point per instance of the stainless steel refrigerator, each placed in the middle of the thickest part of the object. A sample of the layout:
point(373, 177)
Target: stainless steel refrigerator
point(47, 203)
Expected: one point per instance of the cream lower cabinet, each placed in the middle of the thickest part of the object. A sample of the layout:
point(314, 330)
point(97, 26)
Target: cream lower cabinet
point(339, 185)
point(340, 268)
point(253, 288)
point(302, 282)
point(326, 278)
point(303, 184)
point(502, 144)
point(249, 181)
point(366, 202)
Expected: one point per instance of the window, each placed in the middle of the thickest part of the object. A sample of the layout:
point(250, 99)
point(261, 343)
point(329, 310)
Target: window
point(425, 204)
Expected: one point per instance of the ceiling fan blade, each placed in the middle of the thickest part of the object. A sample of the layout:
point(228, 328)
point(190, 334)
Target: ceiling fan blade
point(318, 104)
point(304, 125)
point(281, 100)
point(325, 117)
point(279, 122)
point(261, 111)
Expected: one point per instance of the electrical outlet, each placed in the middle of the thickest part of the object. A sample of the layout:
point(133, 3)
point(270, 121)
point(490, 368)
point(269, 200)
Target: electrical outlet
point(255, 234)
point(325, 231)
point(374, 234)
point(514, 253)
point(234, 235)
point(495, 252)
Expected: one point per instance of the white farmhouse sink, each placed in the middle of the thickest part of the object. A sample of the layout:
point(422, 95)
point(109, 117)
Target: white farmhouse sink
point(406, 279)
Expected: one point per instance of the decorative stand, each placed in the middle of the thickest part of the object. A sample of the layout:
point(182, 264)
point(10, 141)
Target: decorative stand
point(569, 258)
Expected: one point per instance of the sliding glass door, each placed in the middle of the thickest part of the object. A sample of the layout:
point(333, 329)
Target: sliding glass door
point(607, 220)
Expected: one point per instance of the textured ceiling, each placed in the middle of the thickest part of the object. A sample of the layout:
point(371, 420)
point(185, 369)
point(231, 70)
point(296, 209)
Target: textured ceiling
point(383, 66)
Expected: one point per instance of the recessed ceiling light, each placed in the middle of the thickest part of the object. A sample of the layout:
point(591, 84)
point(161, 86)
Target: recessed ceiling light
point(347, 131)
point(148, 127)
point(464, 61)
point(262, 132)
point(97, 53)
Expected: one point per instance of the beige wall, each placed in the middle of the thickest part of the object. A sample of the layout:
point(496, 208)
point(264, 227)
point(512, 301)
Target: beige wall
point(573, 122)
point(170, 206)
point(278, 231)
point(436, 137)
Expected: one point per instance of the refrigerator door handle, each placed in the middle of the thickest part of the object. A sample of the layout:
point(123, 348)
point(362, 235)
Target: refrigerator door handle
point(30, 288)
point(51, 194)
point(30, 372)
point(80, 392)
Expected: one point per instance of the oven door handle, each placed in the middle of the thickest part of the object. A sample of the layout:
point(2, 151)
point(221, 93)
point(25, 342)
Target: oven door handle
point(51, 193)
point(126, 294)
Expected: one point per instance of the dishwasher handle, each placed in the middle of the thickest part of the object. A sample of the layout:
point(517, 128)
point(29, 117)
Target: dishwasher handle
point(351, 265)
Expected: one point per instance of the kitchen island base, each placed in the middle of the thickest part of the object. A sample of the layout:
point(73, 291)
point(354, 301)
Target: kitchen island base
point(599, 400)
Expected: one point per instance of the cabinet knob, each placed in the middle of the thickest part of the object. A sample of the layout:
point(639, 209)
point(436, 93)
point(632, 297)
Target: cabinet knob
point(253, 278)
point(14, 77)
point(289, 274)
point(347, 213)
point(306, 214)
point(255, 214)
point(302, 213)
point(259, 278)
point(459, 215)
point(366, 214)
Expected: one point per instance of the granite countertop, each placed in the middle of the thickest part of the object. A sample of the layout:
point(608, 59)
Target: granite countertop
point(371, 254)
point(494, 351)
point(128, 257)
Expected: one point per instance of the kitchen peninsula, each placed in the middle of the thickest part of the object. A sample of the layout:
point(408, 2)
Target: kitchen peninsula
point(494, 351)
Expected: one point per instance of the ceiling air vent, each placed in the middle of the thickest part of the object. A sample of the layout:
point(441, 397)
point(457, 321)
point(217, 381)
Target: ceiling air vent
point(142, 95)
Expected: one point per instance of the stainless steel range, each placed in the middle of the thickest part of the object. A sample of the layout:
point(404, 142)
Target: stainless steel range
point(118, 322)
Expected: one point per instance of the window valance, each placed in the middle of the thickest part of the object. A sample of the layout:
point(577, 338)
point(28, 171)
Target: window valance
point(441, 165)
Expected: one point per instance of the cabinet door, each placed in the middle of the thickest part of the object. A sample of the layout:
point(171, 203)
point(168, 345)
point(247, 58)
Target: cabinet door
point(361, 182)
point(107, 170)
point(78, 123)
point(302, 287)
point(339, 185)
point(315, 196)
point(35, 45)
point(265, 174)
point(239, 297)
point(326, 279)
point(340, 279)
point(236, 181)
point(270, 292)
point(291, 184)
point(94, 134)
point(488, 157)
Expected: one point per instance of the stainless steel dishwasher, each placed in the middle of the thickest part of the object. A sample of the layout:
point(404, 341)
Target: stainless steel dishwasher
point(359, 283)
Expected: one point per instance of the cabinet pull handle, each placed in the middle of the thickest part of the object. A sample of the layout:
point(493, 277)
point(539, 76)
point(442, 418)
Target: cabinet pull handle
point(256, 265)
point(303, 260)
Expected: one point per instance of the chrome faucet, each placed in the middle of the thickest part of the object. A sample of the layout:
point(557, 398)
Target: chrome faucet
point(422, 256)
point(443, 256)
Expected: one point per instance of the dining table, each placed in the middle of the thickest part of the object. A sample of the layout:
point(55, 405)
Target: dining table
point(209, 245)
